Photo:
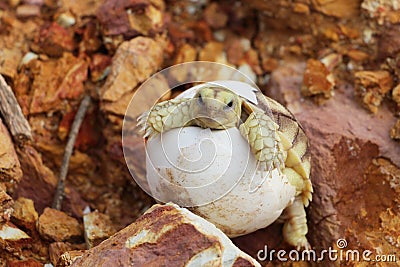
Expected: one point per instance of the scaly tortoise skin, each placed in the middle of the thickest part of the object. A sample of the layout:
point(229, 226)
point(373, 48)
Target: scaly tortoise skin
point(276, 139)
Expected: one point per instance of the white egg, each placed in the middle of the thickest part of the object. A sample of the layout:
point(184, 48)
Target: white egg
point(213, 172)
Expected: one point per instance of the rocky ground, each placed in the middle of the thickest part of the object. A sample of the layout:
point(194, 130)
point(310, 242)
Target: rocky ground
point(335, 64)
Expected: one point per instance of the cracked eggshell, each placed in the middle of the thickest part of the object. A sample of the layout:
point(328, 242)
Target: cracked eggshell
point(213, 172)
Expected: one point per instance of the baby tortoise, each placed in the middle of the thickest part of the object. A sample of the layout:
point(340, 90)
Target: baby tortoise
point(276, 139)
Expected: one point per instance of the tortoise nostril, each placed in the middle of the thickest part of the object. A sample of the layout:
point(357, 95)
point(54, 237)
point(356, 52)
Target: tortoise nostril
point(200, 99)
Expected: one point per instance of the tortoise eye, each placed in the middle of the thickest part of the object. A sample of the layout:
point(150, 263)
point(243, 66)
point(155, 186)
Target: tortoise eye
point(229, 104)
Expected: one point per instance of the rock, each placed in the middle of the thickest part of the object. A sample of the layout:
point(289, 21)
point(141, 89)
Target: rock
point(97, 227)
point(131, 18)
point(371, 87)
point(6, 209)
point(61, 79)
point(39, 182)
point(332, 60)
point(133, 63)
point(10, 172)
point(301, 8)
point(25, 215)
point(251, 58)
point(81, 9)
point(213, 51)
point(338, 8)
point(382, 11)
point(305, 16)
point(53, 40)
point(347, 150)
point(396, 94)
point(167, 235)
point(99, 67)
point(25, 11)
point(12, 238)
point(6, 203)
point(185, 53)
point(214, 16)
point(395, 131)
point(69, 257)
point(91, 38)
point(357, 55)
point(57, 249)
point(10, 168)
point(235, 51)
point(317, 80)
point(66, 19)
point(146, 98)
point(55, 225)
point(24, 263)
point(10, 60)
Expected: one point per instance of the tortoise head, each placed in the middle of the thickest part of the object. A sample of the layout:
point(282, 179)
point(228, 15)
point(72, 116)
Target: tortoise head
point(216, 108)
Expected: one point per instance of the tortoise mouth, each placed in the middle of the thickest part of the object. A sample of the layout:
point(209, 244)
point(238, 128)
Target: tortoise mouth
point(213, 123)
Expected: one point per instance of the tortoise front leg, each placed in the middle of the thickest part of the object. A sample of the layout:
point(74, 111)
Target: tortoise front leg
point(164, 116)
point(261, 133)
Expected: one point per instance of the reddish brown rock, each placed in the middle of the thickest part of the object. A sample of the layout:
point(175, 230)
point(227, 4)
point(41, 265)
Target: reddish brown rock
point(12, 239)
point(185, 53)
point(6, 206)
point(60, 79)
point(131, 18)
point(338, 8)
point(10, 168)
point(91, 39)
point(395, 131)
point(382, 11)
point(396, 94)
point(269, 64)
point(251, 58)
point(69, 257)
point(82, 9)
point(24, 263)
point(53, 40)
point(38, 175)
point(357, 55)
point(313, 16)
point(25, 215)
point(57, 249)
point(97, 227)
point(371, 87)
point(39, 182)
point(213, 51)
point(317, 80)
point(87, 137)
point(55, 225)
point(235, 51)
point(10, 60)
point(133, 63)
point(99, 67)
point(214, 16)
point(355, 185)
point(167, 236)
